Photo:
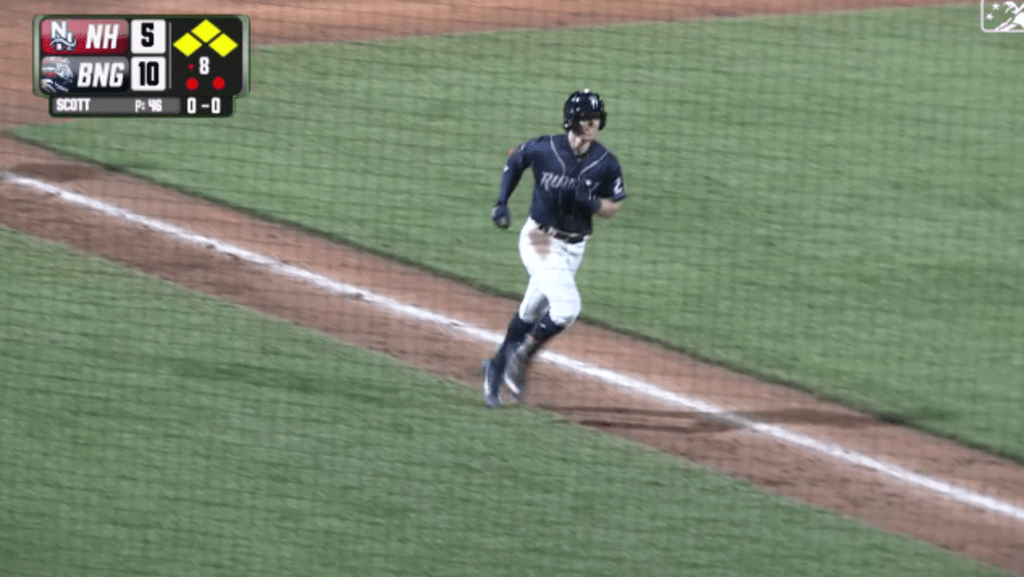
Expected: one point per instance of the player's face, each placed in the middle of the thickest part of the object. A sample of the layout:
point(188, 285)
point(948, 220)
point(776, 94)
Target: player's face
point(588, 128)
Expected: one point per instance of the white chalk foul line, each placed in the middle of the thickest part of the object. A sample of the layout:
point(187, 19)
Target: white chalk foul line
point(782, 434)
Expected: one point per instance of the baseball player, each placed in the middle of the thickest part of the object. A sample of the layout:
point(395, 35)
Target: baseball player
point(574, 178)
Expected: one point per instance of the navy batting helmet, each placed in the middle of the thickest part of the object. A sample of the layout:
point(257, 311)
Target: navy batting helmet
point(583, 104)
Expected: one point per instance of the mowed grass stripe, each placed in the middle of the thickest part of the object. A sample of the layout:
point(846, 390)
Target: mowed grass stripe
point(822, 200)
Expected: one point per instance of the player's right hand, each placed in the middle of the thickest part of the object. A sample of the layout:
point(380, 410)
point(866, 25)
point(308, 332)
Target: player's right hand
point(500, 215)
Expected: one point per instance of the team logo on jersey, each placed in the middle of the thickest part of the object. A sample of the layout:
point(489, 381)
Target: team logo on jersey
point(1002, 16)
point(551, 180)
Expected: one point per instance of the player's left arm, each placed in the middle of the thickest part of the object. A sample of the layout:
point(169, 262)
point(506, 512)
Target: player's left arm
point(608, 208)
point(605, 197)
point(613, 195)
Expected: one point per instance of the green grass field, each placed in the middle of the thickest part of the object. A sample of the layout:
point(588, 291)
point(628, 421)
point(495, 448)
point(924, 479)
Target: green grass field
point(148, 430)
point(828, 201)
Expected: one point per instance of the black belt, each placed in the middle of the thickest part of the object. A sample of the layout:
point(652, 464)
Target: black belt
point(569, 237)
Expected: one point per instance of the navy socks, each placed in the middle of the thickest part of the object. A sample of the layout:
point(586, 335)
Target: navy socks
point(517, 333)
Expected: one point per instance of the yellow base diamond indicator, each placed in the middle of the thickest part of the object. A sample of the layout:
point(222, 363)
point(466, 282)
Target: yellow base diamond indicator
point(188, 44)
point(223, 45)
point(206, 30)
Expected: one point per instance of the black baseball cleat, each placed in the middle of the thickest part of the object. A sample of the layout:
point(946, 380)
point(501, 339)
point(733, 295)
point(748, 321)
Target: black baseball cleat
point(491, 384)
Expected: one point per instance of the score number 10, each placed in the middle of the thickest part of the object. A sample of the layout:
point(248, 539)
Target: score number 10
point(149, 73)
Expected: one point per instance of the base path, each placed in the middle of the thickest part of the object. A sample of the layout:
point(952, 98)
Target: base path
point(730, 441)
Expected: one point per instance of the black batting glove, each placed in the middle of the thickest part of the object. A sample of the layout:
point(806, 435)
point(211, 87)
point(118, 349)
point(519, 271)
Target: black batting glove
point(500, 215)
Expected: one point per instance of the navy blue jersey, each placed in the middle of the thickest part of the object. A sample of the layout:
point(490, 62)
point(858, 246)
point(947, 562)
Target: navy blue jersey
point(556, 174)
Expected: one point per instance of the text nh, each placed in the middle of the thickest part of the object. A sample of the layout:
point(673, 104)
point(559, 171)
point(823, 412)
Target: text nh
point(102, 36)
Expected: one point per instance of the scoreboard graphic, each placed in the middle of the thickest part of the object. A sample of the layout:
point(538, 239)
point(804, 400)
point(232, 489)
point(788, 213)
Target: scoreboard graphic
point(141, 65)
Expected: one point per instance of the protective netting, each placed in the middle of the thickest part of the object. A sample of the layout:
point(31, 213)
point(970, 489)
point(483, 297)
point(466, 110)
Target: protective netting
point(251, 345)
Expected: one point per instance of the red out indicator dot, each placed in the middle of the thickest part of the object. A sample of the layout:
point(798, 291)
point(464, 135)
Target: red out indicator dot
point(191, 84)
point(218, 83)
point(191, 66)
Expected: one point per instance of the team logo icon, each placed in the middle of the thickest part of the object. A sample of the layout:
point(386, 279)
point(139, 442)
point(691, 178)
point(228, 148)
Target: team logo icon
point(62, 39)
point(56, 75)
point(1002, 16)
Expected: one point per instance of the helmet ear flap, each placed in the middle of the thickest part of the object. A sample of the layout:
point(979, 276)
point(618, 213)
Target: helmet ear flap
point(570, 118)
